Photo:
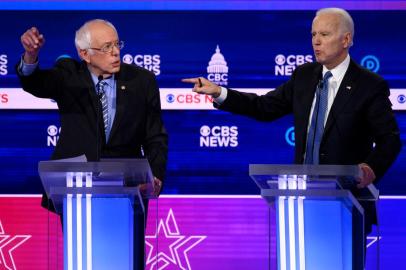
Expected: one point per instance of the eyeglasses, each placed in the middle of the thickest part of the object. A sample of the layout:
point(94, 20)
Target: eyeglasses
point(108, 47)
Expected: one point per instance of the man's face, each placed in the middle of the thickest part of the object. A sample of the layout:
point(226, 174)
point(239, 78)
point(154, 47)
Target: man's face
point(330, 44)
point(99, 62)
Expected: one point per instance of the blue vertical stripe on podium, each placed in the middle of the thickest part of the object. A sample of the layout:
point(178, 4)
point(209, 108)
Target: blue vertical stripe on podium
point(326, 232)
point(111, 234)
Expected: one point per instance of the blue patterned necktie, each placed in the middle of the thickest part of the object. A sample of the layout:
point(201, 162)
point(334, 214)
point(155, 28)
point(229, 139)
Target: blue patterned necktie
point(103, 100)
point(317, 122)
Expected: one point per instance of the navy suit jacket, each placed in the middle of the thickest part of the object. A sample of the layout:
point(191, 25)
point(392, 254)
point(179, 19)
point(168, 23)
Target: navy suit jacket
point(137, 126)
point(360, 128)
point(137, 129)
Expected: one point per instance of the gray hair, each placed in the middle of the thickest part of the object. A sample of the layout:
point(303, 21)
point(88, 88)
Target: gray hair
point(346, 22)
point(83, 37)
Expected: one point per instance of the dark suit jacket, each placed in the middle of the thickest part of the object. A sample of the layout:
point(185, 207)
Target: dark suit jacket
point(360, 116)
point(137, 125)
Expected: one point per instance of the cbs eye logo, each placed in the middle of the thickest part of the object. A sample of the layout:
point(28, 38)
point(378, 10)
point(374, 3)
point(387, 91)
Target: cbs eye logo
point(52, 130)
point(280, 59)
point(401, 99)
point(170, 98)
point(205, 131)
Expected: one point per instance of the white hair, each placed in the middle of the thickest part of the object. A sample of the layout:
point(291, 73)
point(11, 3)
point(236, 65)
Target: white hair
point(346, 22)
point(83, 37)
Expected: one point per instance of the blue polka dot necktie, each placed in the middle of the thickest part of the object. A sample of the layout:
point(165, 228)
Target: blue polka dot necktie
point(316, 129)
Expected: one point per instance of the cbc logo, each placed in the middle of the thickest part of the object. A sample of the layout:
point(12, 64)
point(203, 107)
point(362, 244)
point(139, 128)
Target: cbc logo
point(3, 64)
point(370, 62)
point(147, 61)
point(218, 136)
point(286, 65)
point(401, 99)
point(290, 136)
point(53, 135)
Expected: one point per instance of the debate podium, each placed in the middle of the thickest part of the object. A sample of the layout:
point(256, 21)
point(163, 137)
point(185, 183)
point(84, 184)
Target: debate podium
point(99, 203)
point(319, 222)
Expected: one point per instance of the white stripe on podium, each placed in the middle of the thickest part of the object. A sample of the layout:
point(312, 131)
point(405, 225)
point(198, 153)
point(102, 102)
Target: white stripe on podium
point(89, 224)
point(282, 233)
point(300, 221)
point(79, 257)
point(292, 236)
point(282, 184)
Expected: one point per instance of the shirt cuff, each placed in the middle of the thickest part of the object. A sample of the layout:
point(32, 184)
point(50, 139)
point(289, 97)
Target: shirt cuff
point(223, 95)
point(26, 69)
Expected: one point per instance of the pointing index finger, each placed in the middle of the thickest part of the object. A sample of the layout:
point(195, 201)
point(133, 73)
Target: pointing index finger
point(191, 80)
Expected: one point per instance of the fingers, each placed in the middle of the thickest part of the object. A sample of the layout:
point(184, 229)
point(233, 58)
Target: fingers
point(191, 80)
point(368, 175)
point(157, 186)
point(198, 84)
point(32, 40)
point(204, 86)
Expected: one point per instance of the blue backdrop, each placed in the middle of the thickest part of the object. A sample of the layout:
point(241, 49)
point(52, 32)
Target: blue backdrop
point(260, 48)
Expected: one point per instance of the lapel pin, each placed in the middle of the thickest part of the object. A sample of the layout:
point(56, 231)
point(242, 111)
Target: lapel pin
point(348, 87)
point(123, 87)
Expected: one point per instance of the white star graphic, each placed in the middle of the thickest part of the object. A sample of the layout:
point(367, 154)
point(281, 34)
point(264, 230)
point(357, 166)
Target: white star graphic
point(8, 244)
point(177, 249)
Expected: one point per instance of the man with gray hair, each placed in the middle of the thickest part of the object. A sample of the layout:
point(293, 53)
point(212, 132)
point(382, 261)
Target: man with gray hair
point(121, 121)
point(342, 113)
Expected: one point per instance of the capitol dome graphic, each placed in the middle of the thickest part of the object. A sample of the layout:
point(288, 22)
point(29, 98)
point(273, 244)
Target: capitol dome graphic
point(217, 63)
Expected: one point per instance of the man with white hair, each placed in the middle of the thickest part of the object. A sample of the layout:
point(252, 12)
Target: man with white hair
point(342, 113)
point(120, 119)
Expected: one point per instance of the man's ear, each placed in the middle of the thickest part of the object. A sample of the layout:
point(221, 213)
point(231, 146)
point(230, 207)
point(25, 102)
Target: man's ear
point(347, 40)
point(84, 55)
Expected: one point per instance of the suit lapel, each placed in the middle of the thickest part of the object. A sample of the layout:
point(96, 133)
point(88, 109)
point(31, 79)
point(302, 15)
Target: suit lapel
point(88, 82)
point(95, 103)
point(121, 90)
point(344, 93)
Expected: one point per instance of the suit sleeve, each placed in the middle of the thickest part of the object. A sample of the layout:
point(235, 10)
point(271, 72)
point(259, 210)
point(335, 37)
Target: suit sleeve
point(156, 141)
point(268, 107)
point(43, 83)
point(384, 128)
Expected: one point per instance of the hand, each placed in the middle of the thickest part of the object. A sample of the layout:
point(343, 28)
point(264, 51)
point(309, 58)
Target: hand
point(147, 191)
point(32, 42)
point(204, 86)
point(157, 185)
point(368, 175)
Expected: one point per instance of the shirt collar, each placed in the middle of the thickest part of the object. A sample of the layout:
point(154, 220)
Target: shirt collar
point(109, 80)
point(339, 71)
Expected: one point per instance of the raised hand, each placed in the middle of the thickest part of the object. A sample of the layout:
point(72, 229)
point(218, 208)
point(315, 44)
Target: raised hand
point(32, 42)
